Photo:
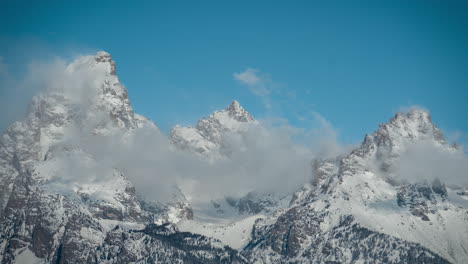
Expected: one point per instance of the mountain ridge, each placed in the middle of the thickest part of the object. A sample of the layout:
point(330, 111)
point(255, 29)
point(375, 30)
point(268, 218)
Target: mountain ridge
point(351, 211)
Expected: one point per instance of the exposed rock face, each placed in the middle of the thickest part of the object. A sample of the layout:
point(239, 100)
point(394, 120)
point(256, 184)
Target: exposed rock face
point(416, 198)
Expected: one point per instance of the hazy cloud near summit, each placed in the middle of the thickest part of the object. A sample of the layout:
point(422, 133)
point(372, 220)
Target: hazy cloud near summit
point(259, 84)
point(256, 81)
point(266, 158)
point(249, 77)
point(16, 93)
point(424, 161)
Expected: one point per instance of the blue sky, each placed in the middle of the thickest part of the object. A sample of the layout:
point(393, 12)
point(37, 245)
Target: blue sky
point(354, 62)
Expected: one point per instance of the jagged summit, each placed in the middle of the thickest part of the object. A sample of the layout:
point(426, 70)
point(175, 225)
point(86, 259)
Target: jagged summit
point(414, 124)
point(235, 104)
point(230, 118)
point(237, 112)
point(89, 84)
point(100, 63)
point(207, 136)
point(104, 57)
point(81, 94)
point(405, 127)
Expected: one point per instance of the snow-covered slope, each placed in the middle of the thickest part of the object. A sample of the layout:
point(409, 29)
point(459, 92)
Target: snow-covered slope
point(234, 232)
point(355, 211)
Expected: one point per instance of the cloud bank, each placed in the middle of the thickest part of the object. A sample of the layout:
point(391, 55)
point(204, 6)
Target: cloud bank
point(424, 161)
point(265, 158)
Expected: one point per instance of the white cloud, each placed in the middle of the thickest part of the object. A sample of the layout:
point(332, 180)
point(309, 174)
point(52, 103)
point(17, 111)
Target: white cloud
point(248, 77)
point(409, 108)
point(258, 83)
point(265, 158)
point(423, 160)
point(325, 139)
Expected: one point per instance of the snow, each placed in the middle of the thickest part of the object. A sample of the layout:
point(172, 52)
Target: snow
point(225, 119)
point(372, 201)
point(92, 235)
point(362, 192)
point(109, 225)
point(26, 256)
point(191, 137)
point(235, 234)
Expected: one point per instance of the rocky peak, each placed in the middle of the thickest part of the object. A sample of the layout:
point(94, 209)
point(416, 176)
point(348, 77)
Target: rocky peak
point(85, 89)
point(104, 57)
point(208, 134)
point(416, 124)
point(237, 112)
point(233, 118)
point(403, 128)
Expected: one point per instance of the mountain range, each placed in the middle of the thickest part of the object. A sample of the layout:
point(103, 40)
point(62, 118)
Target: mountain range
point(80, 182)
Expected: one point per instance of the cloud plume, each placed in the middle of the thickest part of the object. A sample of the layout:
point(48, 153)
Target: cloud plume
point(259, 84)
point(265, 158)
point(425, 161)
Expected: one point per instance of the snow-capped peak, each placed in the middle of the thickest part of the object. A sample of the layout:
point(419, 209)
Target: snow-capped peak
point(391, 138)
point(237, 112)
point(104, 57)
point(233, 118)
point(101, 64)
point(87, 89)
point(208, 134)
point(415, 124)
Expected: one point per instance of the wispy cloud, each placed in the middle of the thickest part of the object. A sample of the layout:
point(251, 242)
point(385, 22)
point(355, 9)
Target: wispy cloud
point(423, 160)
point(259, 83)
point(248, 77)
